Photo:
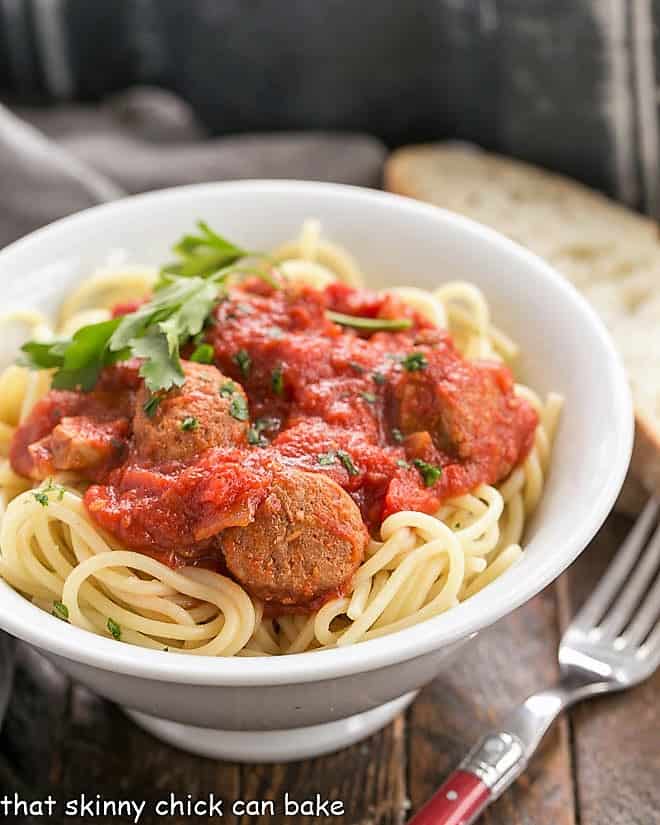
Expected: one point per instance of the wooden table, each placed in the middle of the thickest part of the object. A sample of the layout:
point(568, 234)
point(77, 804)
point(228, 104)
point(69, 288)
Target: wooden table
point(601, 766)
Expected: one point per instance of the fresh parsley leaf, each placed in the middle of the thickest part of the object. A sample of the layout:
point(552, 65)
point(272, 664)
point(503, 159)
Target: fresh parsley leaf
point(347, 461)
point(227, 389)
point(368, 324)
point(369, 397)
point(189, 423)
point(41, 494)
point(277, 380)
point(41, 497)
point(355, 366)
point(114, 629)
point(238, 408)
point(243, 362)
point(254, 435)
point(326, 459)
point(379, 378)
point(397, 436)
point(203, 354)
point(430, 473)
point(151, 405)
point(61, 611)
point(203, 254)
point(414, 362)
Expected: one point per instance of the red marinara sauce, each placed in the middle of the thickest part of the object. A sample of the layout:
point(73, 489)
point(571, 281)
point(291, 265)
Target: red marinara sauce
point(399, 420)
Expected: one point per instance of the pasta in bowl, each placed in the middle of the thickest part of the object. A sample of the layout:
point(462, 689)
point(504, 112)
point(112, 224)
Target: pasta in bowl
point(258, 449)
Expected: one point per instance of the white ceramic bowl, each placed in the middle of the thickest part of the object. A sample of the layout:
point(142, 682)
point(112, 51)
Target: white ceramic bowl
point(397, 241)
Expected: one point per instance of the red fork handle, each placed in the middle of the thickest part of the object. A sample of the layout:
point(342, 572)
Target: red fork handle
point(458, 802)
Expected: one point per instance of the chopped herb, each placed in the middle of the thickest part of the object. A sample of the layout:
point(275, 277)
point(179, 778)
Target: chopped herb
point(275, 332)
point(228, 389)
point(203, 354)
point(414, 362)
point(61, 611)
point(41, 494)
point(347, 461)
point(114, 629)
point(369, 397)
point(369, 324)
point(243, 362)
point(397, 436)
point(326, 459)
point(151, 405)
point(254, 435)
point(355, 366)
point(189, 423)
point(379, 378)
point(402, 463)
point(429, 472)
point(203, 254)
point(277, 380)
point(41, 497)
point(238, 408)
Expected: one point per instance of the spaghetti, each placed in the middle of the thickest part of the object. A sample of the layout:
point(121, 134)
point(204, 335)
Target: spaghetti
point(420, 566)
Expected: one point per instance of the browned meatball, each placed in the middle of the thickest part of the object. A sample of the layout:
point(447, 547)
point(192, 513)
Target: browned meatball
point(305, 543)
point(208, 410)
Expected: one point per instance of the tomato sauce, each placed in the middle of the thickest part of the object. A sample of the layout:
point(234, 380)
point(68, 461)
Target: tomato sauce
point(399, 419)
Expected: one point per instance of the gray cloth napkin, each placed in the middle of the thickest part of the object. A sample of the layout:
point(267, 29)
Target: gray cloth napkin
point(57, 161)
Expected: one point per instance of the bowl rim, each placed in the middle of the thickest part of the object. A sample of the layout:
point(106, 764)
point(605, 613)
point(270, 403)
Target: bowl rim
point(460, 622)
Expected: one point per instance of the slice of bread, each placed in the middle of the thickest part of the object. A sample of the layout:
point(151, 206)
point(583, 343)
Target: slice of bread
point(610, 253)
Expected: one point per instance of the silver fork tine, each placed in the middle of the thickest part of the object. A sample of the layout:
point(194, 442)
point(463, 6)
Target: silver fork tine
point(594, 609)
point(628, 601)
point(646, 616)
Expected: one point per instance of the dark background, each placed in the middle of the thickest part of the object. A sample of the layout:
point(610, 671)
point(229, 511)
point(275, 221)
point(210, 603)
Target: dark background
point(569, 84)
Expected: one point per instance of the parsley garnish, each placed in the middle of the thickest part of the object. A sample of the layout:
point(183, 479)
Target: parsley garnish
point(254, 435)
point(151, 405)
point(203, 354)
point(402, 463)
point(379, 378)
point(238, 408)
point(41, 497)
point(189, 423)
point(243, 362)
point(430, 473)
point(355, 366)
point(347, 461)
point(414, 362)
point(370, 324)
point(277, 380)
point(227, 389)
point(369, 397)
point(114, 629)
point(325, 459)
point(203, 254)
point(397, 436)
point(41, 494)
point(61, 611)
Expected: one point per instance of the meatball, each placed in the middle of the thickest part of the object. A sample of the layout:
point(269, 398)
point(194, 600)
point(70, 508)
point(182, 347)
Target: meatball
point(208, 410)
point(305, 543)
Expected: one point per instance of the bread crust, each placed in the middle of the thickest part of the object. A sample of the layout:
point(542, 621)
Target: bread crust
point(408, 172)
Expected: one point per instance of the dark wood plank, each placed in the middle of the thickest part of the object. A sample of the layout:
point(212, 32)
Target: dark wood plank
point(617, 738)
point(505, 664)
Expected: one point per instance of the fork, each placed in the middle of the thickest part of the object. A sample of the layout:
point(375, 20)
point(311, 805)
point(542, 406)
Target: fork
point(612, 644)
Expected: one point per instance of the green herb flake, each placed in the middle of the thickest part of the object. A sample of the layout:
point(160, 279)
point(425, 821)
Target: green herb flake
point(369, 324)
point(189, 423)
point(369, 397)
point(397, 436)
point(151, 405)
point(415, 362)
point(227, 389)
point(203, 354)
point(243, 362)
point(61, 611)
point(347, 461)
point(114, 629)
point(255, 436)
point(41, 497)
point(238, 408)
point(379, 378)
point(277, 380)
point(357, 367)
point(326, 459)
point(403, 464)
point(430, 473)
